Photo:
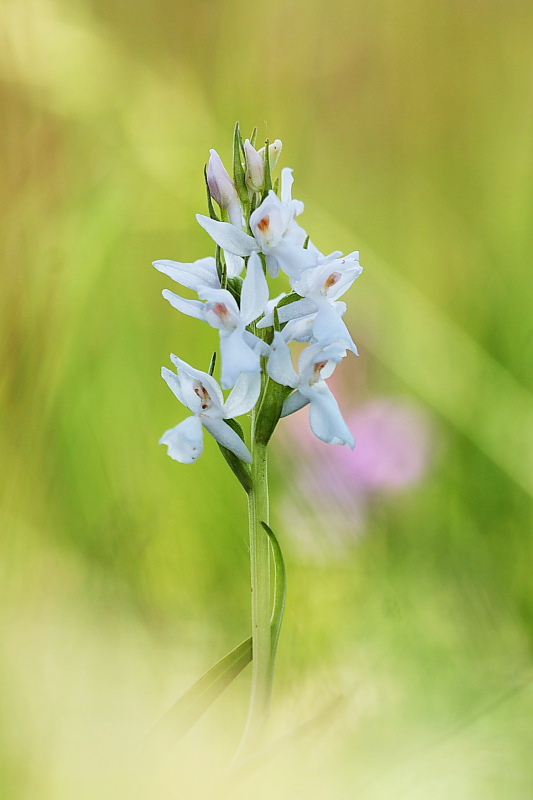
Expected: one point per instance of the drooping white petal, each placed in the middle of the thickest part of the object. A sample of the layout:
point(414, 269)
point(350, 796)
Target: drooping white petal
point(294, 402)
point(237, 357)
point(228, 438)
point(328, 325)
point(192, 275)
point(185, 442)
point(193, 308)
point(244, 395)
point(228, 237)
point(280, 367)
point(325, 417)
point(203, 378)
point(255, 292)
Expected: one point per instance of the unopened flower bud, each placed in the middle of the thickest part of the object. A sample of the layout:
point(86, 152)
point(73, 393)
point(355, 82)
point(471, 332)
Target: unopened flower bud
point(221, 186)
point(274, 151)
point(255, 168)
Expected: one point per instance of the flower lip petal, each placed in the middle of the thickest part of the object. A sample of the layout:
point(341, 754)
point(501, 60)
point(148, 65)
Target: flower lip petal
point(185, 442)
point(325, 417)
point(237, 357)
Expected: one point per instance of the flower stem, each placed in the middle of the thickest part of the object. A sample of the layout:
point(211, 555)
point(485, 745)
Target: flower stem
point(258, 511)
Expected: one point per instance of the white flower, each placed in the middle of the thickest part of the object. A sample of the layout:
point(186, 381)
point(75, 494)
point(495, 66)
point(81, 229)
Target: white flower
point(276, 233)
point(202, 395)
point(222, 189)
point(318, 315)
point(317, 362)
point(241, 350)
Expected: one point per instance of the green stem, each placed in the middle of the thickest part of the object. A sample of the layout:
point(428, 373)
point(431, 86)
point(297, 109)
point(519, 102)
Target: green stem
point(258, 512)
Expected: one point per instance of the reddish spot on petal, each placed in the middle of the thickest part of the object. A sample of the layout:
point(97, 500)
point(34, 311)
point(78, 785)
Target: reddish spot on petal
point(201, 392)
point(332, 280)
point(221, 310)
point(264, 224)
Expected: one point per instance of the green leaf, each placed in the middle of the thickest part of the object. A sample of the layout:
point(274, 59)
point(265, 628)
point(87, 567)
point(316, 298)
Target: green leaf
point(239, 468)
point(253, 136)
point(195, 702)
point(280, 589)
point(268, 175)
point(290, 298)
point(234, 285)
point(221, 268)
point(238, 168)
point(202, 694)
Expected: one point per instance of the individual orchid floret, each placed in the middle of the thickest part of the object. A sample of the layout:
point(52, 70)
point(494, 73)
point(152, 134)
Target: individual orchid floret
point(202, 395)
point(222, 189)
point(317, 362)
point(276, 233)
point(255, 168)
point(241, 350)
point(318, 314)
point(274, 152)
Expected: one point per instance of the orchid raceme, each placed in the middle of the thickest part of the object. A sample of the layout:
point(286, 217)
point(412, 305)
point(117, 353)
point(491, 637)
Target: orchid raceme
point(258, 239)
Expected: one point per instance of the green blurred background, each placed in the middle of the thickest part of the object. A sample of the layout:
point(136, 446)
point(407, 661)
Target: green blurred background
point(124, 575)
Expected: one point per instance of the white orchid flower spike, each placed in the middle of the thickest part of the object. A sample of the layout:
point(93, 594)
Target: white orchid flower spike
point(317, 362)
point(202, 395)
point(241, 350)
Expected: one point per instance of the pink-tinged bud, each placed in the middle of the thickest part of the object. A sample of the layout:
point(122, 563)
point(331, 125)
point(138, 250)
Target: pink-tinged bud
point(274, 151)
point(221, 186)
point(255, 168)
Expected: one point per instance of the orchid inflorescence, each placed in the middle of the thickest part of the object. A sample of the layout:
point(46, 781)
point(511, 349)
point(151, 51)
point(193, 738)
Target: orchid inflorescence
point(256, 233)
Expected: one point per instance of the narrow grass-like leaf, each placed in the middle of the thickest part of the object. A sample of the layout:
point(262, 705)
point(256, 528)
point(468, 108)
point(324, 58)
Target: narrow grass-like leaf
point(268, 175)
point(195, 702)
point(238, 169)
point(280, 588)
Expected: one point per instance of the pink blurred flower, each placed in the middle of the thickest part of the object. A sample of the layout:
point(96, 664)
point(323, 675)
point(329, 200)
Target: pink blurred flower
point(393, 452)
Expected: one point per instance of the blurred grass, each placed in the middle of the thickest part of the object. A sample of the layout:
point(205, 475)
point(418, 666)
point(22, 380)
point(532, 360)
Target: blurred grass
point(124, 575)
